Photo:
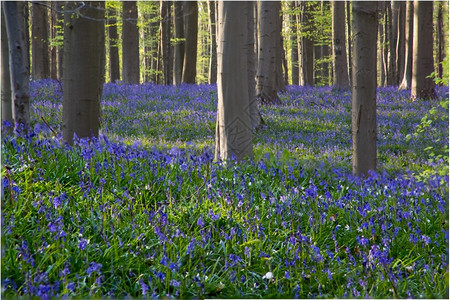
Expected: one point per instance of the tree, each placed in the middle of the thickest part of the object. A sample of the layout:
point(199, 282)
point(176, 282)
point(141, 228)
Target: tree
point(130, 43)
point(294, 44)
point(18, 62)
point(83, 70)
point(440, 39)
point(409, 34)
point(39, 42)
point(340, 68)
point(178, 28)
point(269, 75)
point(166, 49)
point(423, 63)
point(7, 114)
point(114, 67)
point(392, 14)
point(400, 47)
point(233, 128)
point(190, 50)
point(364, 122)
point(307, 44)
point(212, 75)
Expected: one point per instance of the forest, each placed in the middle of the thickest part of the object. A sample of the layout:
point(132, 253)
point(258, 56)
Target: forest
point(224, 149)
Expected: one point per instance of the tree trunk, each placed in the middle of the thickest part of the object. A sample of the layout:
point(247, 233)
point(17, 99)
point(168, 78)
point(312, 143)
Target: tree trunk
point(294, 47)
point(364, 121)
point(190, 50)
point(179, 41)
point(307, 48)
point(130, 43)
point(400, 41)
point(269, 74)
point(384, 5)
point(212, 76)
point(165, 41)
point(60, 50)
point(409, 37)
point(340, 68)
point(392, 9)
point(83, 65)
point(422, 87)
point(349, 40)
point(39, 42)
point(233, 129)
point(440, 39)
point(7, 113)
point(53, 36)
point(114, 67)
point(18, 63)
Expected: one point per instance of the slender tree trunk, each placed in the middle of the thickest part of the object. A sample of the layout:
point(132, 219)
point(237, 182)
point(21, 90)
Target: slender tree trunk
point(53, 35)
point(307, 48)
point(18, 63)
point(349, 40)
point(422, 87)
point(233, 129)
point(84, 65)
point(294, 46)
point(154, 48)
point(114, 67)
point(393, 31)
point(212, 76)
point(409, 37)
point(269, 74)
point(190, 50)
point(39, 42)
point(386, 39)
point(130, 43)
point(165, 41)
point(340, 68)
point(400, 64)
point(364, 121)
point(440, 39)
point(7, 112)
point(60, 50)
point(179, 41)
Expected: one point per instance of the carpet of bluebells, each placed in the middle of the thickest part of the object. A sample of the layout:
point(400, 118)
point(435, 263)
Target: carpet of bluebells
point(144, 211)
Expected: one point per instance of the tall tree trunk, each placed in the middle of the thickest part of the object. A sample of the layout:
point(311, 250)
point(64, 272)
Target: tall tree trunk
point(381, 47)
point(190, 50)
point(18, 63)
point(165, 41)
point(364, 121)
point(39, 42)
point(212, 76)
point(114, 66)
point(154, 48)
point(179, 41)
point(340, 68)
point(440, 39)
point(130, 43)
point(7, 112)
point(422, 87)
point(307, 47)
point(400, 64)
point(349, 40)
point(60, 49)
point(409, 37)
point(392, 9)
point(384, 5)
point(83, 65)
point(233, 129)
point(53, 35)
point(294, 46)
point(269, 74)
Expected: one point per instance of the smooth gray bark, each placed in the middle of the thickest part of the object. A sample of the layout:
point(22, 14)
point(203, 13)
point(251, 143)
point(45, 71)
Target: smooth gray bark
point(212, 75)
point(190, 48)
point(422, 87)
point(364, 121)
point(114, 66)
point(166, 49)
point(307, 46)
point(400, 49)
point(130, 43)
point(7, 112)
point(294, 47)
point(340, 67)
point(40, 62)
point(18, 63)
point(178, 28)
point(83, 70)
point(409, 37)
point(233, 128)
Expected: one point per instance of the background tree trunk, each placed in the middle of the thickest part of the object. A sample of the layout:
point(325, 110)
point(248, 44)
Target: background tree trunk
point(165, 42)
point(179, 42)
point(400, 49)
point(39, 42)
point(83, 65)
point(18, 63)
point(7, 113)
point(349, 40)
point(340, 67)
point(53, 36)
point(60, 50)
point(212, 76)
point(294, 46)
point(364, 121)
point(269, 75)
point(307, 45)
point(114, 67)
point(422, 87)
point(233, 129)
point(130, 43)
point(190, 50)
point(409, 37)
point(392, 9)
point(440, 39)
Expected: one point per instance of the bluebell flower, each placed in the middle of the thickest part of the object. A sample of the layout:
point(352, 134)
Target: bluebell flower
point(94, 267)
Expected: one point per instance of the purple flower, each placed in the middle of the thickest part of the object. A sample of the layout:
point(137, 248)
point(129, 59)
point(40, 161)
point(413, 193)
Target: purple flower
point(82, 244)
point(200, 222)
point(94, 267)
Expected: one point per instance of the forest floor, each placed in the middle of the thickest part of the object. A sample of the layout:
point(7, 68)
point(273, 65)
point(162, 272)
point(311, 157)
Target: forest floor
point(144, 211)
